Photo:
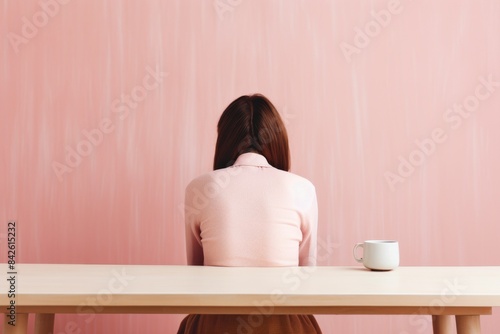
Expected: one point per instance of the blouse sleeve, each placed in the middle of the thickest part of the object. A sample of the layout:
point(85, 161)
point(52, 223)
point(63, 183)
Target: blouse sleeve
point(309, 228)
point(194, 248)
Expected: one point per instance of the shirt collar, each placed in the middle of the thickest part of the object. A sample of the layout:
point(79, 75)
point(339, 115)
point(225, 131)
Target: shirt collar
point(251, 159)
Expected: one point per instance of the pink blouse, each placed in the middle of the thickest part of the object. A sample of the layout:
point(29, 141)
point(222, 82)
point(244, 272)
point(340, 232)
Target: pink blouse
point(251, 214)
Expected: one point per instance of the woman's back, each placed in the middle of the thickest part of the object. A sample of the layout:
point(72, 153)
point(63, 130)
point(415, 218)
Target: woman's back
point(251, 214)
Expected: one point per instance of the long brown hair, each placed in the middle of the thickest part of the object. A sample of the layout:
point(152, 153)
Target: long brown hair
point(251, 124)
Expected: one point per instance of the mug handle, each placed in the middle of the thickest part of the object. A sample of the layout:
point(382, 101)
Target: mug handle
point(360, 260)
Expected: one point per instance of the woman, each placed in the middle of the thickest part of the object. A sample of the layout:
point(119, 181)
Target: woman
point(250, 211)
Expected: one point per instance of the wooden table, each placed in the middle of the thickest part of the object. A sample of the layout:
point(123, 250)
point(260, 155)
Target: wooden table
point(443, 292)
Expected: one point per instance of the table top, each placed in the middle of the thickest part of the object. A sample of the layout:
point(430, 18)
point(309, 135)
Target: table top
point(167, 285)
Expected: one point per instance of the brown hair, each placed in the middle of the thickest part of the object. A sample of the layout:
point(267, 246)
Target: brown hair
point(251, 124)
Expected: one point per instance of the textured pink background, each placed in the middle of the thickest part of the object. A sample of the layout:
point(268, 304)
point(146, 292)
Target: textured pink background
point(348, 123)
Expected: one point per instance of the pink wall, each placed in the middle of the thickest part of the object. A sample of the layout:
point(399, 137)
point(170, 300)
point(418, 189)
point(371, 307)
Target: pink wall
point(354, 104)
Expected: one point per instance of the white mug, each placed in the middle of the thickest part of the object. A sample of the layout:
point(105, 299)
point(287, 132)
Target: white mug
point(378, 254)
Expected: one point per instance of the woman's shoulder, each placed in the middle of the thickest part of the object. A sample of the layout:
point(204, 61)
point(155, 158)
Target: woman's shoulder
point(296, 179)
point(216, 177)
point(199, 180)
